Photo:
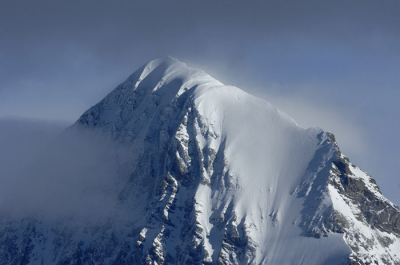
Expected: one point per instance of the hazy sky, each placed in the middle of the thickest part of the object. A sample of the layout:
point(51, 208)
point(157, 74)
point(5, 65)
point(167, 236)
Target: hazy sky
point(333, 64)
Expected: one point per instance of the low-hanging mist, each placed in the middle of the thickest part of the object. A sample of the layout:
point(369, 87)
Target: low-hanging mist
point(74, 176)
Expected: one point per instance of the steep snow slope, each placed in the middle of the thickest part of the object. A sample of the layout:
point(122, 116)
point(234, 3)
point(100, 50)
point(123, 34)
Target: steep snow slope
point(207, 174)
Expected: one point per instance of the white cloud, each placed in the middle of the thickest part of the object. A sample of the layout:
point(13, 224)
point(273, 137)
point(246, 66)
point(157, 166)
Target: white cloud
point(342, 124)
point(311, 106)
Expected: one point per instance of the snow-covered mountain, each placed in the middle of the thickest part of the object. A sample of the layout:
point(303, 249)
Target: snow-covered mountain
point(203, 173)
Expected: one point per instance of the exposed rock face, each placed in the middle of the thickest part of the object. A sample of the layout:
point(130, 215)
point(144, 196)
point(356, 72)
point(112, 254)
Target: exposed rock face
point(367, 219)
point(207, 174)
point(371, 210)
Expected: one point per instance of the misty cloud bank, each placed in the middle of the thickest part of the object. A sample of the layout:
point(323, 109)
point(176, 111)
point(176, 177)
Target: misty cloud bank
point(74, 175)
point(21, 140)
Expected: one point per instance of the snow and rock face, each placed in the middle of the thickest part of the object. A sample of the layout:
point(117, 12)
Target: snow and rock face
point(205, 173)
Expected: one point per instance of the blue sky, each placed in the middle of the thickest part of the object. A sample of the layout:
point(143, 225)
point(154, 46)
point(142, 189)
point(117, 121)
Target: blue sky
point(330, 64)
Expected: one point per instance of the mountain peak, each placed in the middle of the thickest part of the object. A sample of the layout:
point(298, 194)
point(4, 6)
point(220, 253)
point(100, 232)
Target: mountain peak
point(167, 60)
point(251, 171)
point(207, 174)
point(160, 72)
point(163, 62)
